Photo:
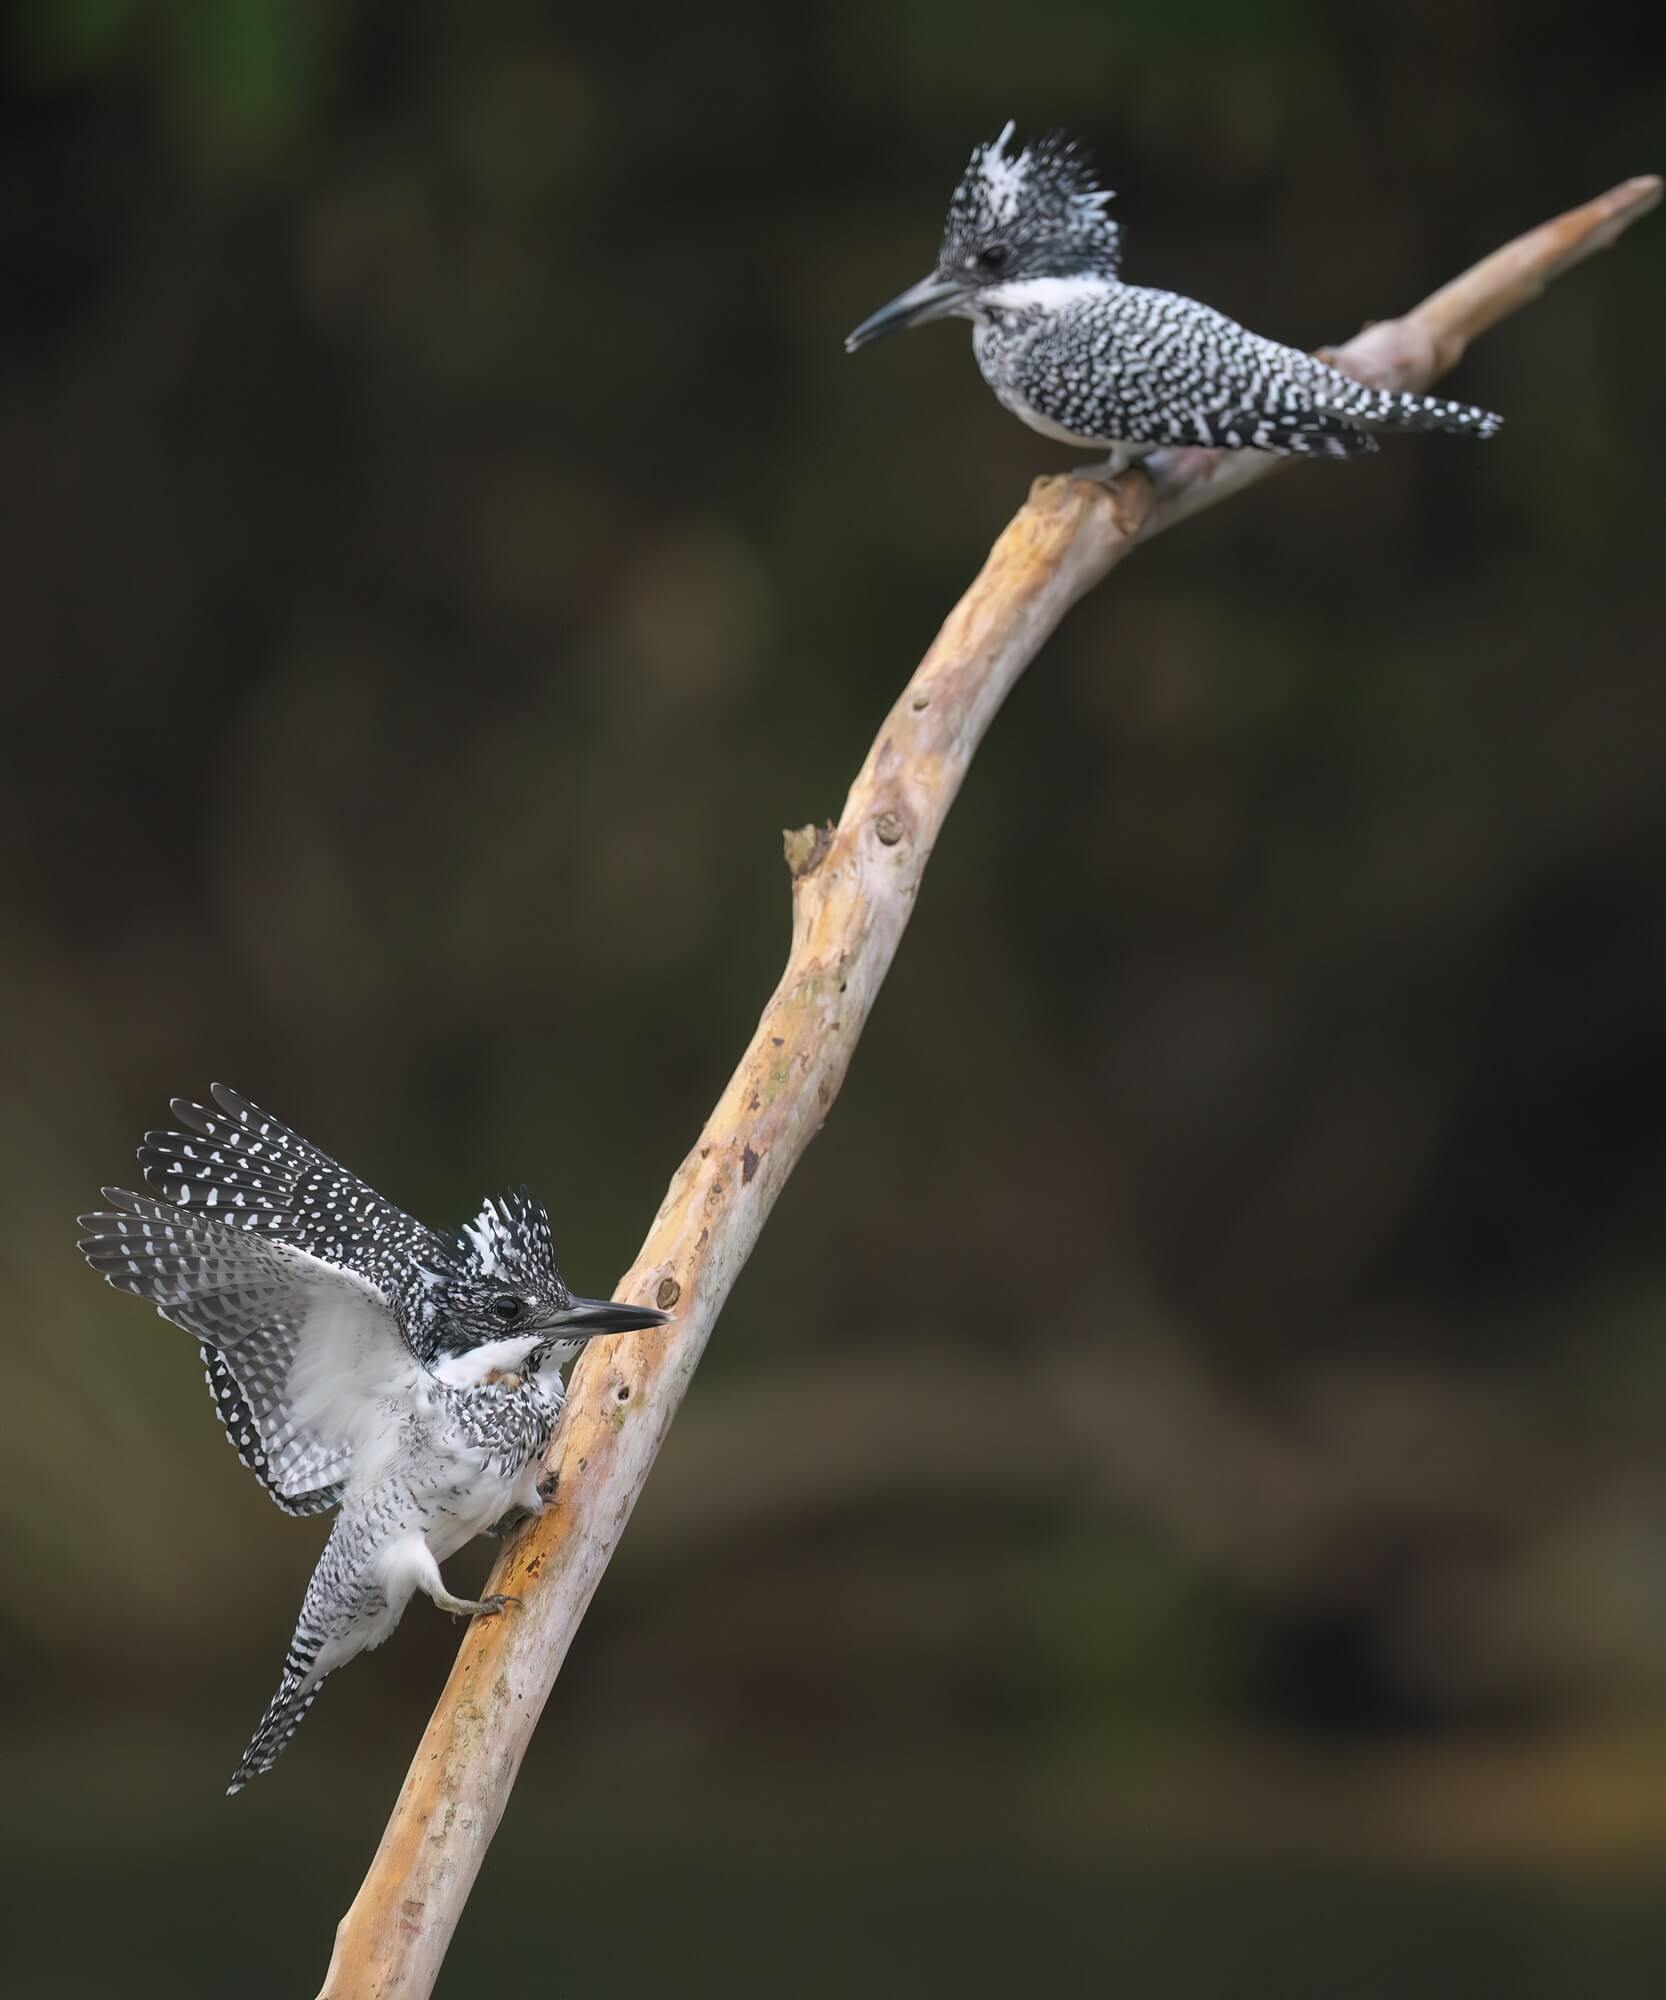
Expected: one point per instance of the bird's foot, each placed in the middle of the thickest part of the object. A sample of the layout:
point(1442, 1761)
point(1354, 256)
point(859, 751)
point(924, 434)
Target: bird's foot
point(491, 1606)
point(1103, 470)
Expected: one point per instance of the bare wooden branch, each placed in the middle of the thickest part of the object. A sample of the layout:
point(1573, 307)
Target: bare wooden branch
point(853, 891)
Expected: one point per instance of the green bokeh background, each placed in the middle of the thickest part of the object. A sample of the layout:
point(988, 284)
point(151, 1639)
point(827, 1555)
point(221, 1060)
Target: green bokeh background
point(1175, 1505)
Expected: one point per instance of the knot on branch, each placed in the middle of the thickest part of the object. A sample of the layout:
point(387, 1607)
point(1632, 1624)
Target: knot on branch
point(1127, 498)
point(806, 848)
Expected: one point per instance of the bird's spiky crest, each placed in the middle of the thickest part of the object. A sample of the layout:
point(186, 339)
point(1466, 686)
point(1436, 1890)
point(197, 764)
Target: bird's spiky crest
point(510, 1240)
point(1047, 192)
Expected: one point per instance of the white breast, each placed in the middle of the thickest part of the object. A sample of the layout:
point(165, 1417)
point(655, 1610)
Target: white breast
point(487, 1498)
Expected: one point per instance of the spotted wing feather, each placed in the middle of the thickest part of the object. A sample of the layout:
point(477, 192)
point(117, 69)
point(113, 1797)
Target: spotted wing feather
point(241, 1164)
point(243, 1435)
point(1129, 364)
point(313, 1348)
point(252, 1172)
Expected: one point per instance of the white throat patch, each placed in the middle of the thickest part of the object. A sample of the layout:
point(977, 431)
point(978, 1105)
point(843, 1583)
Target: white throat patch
point(493, 1357)
point(1045, 295)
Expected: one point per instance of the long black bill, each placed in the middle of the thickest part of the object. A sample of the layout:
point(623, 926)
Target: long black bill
point(588, 1317)
point(931, 298)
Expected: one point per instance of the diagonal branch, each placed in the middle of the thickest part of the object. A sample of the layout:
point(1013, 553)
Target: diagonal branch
point(853, 891)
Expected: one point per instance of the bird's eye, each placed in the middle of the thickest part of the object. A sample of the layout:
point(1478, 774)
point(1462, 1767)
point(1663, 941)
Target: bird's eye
point(507, 1306)
point(994, 258)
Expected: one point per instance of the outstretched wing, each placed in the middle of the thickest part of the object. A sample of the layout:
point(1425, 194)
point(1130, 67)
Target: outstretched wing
point(237, 1420)
point(247, 1168)
point(251, 1172)
point(315, 1349)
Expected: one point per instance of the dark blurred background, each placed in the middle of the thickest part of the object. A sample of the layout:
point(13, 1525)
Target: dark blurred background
point(1178, 1496)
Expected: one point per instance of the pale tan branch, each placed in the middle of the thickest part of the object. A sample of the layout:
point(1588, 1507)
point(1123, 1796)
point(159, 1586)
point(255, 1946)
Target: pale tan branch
point(853, 891)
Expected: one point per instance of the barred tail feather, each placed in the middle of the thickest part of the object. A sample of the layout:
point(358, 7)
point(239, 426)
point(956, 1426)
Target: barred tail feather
point(1434, 413)
point(1334, 441)
point(1385, 409)
point(285, 1713)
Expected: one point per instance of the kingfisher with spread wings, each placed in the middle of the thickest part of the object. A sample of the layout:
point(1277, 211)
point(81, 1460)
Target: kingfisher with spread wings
point(357, 1359)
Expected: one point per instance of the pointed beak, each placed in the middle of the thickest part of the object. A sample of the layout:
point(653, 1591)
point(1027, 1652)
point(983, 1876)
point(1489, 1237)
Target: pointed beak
point(931, 298)
point(585, 1318)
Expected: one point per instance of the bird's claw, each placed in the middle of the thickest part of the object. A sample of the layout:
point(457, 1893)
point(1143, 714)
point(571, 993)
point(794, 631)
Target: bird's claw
point(492, 1606)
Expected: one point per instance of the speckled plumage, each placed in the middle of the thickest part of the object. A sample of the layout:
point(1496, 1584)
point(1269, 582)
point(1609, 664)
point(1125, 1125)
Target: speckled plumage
point(357, 1359)
point(450, 1462)
point(1030, 257)
point(238, 1164)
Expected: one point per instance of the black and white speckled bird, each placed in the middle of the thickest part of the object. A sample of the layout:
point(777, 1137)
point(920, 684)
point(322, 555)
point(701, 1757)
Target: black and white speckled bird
point(1030, 257)
point(356, 1358)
